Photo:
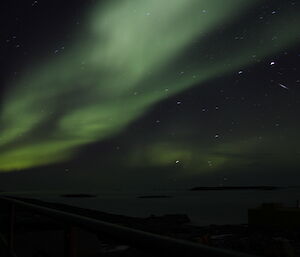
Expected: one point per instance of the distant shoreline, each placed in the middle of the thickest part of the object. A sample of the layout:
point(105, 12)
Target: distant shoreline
point(235, 188)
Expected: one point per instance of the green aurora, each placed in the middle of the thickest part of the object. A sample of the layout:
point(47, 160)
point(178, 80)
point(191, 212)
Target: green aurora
point(129, 56)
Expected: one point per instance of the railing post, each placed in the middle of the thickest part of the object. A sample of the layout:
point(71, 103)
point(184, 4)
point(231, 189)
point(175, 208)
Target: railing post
point(70, 241)
point(11, 227)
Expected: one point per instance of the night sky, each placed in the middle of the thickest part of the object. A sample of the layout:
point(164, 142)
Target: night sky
point(154, 94)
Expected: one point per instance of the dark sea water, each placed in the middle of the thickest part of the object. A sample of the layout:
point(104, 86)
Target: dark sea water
point(203, 207)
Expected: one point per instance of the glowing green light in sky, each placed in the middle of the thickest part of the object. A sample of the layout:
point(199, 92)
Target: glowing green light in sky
point(130, 56)
point(192, 159)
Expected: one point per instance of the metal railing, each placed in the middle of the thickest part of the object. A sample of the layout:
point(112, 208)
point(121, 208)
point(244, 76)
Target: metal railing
point(148, 242)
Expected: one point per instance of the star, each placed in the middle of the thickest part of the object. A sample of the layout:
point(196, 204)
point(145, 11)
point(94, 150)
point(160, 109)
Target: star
point(283, 86)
